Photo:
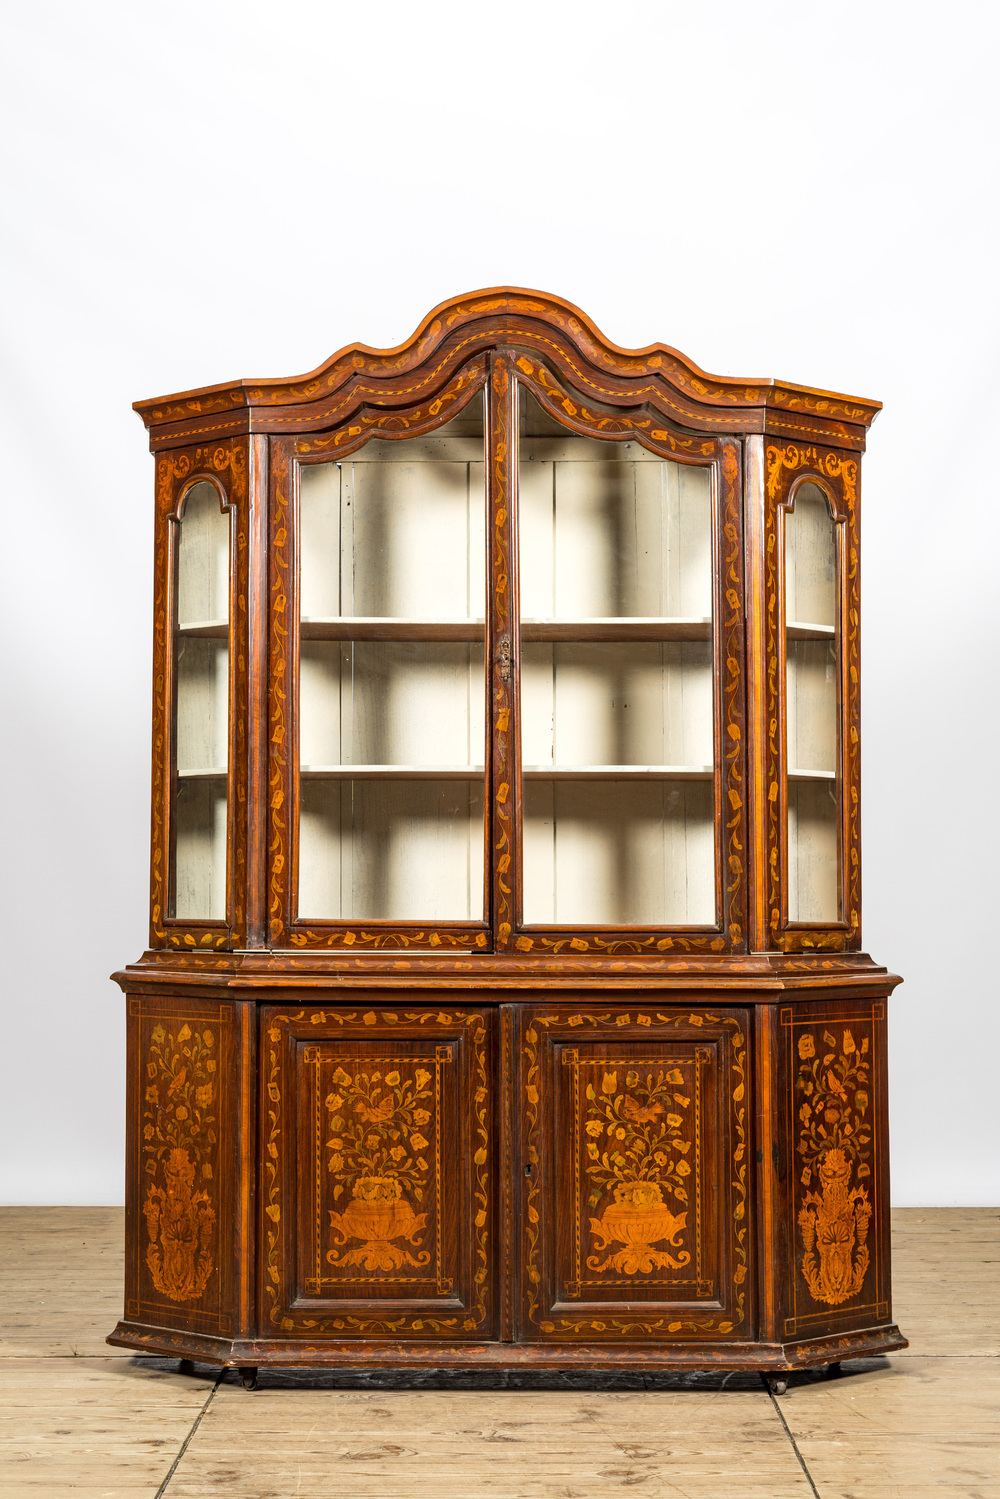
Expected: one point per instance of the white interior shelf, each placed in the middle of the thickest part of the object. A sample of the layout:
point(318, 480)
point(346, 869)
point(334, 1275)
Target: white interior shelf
point(388, 627)
point(212, 629)
point(617, 772)
point(799, 629)
point(394, 772)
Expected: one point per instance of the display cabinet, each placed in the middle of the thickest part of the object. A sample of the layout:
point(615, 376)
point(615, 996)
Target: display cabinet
point(504, 1002)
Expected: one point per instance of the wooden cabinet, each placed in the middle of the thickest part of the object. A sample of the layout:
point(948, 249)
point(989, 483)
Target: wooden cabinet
point(504, 1001)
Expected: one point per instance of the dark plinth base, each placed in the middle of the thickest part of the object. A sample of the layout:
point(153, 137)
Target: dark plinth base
point(622, 1357)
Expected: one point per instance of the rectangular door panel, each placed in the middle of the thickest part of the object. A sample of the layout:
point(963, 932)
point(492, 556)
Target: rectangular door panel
point(378, 1190)
point(634, 1148)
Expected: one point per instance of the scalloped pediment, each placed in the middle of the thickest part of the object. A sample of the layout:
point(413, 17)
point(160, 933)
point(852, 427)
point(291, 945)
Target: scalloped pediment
point(549, 334)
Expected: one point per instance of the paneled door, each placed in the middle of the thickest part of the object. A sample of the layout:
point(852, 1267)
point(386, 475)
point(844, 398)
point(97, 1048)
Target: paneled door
point(377, 1191)
point(635, 1173)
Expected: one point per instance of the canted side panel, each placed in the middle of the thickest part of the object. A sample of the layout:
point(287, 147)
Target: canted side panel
point(635, 1148)
point(180, 1257)
point(836, 1230)
point(378, 1190)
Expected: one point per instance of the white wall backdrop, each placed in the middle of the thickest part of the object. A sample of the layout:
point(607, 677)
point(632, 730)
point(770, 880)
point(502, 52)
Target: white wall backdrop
point(221, 188)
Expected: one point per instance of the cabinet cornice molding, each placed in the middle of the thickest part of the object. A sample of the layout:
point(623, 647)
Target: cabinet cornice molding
point(550, 328)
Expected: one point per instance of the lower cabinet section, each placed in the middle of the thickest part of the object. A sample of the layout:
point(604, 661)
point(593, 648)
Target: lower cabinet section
point(657, 1183)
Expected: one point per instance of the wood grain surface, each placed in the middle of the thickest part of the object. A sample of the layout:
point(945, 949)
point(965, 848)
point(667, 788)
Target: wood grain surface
point(79, 1420)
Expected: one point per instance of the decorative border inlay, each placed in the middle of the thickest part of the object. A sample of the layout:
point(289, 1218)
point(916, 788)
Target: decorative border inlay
point(730, 742)
point(344, 935)
point(638, 1325)
point(371, 1324)
point(786, 466)
point(226, 467)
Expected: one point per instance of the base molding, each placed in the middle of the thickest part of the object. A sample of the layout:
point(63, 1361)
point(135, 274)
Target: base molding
point(623, 1357)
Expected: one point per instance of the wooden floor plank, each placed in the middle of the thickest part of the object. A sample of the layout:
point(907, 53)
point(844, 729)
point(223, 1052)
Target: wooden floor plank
point(957, 1248)
point(61, 1274)
point(77, 1417)
point(93, 1426)
point(890, 1427)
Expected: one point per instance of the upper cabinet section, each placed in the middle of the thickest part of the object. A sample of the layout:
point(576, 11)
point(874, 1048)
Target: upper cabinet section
point(507, 640)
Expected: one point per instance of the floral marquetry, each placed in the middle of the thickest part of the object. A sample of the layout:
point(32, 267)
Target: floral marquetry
point(382, 1192)
point(383, 1118)
point(644, 1115)
point(182, 1103)
point(836, 1094)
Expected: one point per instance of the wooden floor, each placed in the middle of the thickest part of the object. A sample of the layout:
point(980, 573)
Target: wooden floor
point(78, 1418)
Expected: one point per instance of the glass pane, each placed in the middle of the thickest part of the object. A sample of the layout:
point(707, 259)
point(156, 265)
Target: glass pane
point(617, 709)
point(392, 686)
point(811, 708)
point(202, 697)
point(812, 849)
point(618, 852)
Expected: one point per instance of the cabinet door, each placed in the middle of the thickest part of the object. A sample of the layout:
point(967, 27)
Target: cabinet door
point(377, 1198)
point(634, 1149)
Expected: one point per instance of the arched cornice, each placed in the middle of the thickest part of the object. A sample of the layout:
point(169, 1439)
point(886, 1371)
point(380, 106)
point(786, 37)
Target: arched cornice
point(550, 331)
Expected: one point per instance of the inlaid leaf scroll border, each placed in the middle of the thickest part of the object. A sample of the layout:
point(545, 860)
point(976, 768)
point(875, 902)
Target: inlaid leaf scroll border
point(724, 456)
point(283, 771)
point(786, 467)
point(226, 466)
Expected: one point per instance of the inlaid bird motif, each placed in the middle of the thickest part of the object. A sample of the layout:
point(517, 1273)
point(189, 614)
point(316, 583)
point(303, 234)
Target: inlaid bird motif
point(177, 1083)
point(379, 1114)
point(637, 1113)
point(835, 1085)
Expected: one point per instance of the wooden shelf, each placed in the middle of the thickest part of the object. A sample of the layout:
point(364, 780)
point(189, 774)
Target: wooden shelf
point(800, 630)
point(616, 629)
point(393, 772)
point(349, 627)
point(617, 772)
point(215, 629)
point(388, 628)
point(212, 774)
point(812, 775)
point(529, 773)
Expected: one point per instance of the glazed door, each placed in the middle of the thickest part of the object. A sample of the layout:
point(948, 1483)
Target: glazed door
point(634, 1147)
point(377, 1179)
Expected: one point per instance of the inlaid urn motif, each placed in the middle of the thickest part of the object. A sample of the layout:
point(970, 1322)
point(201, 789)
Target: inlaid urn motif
point(639, 1219)
point(378, 1214)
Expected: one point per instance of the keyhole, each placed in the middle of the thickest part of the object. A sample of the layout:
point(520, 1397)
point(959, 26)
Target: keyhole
point(527, 1170)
